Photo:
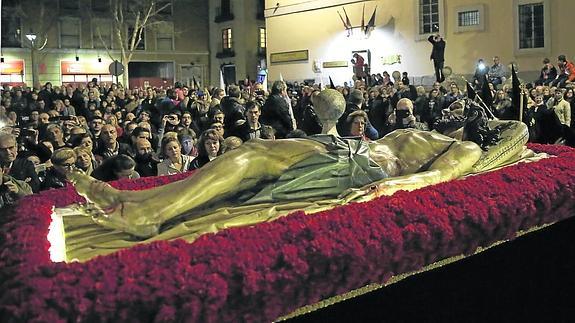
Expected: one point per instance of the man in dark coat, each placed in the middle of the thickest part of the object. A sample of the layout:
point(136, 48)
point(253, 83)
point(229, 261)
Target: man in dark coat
point(252, 128)
point(275, 111)
point(232, 108)
point(437, 55)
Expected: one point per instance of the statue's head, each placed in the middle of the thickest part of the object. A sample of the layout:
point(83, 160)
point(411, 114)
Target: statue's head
point(329, 105)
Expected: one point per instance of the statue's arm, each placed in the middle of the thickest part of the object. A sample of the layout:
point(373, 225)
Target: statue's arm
point(452, 164)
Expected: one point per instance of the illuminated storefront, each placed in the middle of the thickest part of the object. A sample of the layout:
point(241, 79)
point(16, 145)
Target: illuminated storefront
point(12, 72)
point(81, 72)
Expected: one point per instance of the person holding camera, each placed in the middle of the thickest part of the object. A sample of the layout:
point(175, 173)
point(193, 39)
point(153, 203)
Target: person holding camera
point(12, 189)
point(438, 56)
point(17, 168)
point(481, 71)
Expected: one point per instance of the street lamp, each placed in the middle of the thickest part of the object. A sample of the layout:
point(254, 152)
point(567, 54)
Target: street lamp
point(32, 38)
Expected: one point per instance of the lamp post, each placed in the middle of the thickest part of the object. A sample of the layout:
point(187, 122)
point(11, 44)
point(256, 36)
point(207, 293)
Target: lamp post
point(32, 38)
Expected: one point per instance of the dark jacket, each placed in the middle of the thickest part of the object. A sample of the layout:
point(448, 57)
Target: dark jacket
point(53, 180)
point(198, 162)
point(146, 166)
point(275, 113)
point(309, 121)
point(437, 53)
point(243, 131)
point(343, 127)
point(23, 170)
point(233, 111)
point(124, 149)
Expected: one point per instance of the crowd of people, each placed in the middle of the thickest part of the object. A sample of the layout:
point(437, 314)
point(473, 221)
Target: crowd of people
point(110, 132)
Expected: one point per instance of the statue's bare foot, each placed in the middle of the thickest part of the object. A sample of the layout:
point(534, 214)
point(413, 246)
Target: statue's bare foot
point(112, 208)
point(101, 194)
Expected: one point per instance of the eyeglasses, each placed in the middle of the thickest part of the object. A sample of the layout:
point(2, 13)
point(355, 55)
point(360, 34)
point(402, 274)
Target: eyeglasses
point(67, 165)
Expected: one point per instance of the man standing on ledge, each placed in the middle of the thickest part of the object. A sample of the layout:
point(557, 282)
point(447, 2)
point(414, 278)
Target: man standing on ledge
point(437, 55)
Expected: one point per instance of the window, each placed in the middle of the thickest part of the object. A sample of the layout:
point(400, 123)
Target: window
point(224, 12)
point(102, 28)
point(70, 4)
point(70, 33)
point(227, 39)
point(100, 5)
point(141, 45)
point(165, 36)
point(225, 7)
point(468, 18)
point(11, 32)
point(166, 5)
point(531, 26)
point(428, 16)
point(260, 9)
point(262, 39)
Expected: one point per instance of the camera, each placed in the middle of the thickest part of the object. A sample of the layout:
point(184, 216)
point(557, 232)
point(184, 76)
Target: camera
point(27, 132)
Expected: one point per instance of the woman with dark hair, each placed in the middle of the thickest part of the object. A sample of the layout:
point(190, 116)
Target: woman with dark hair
point(174, 161)
point(117, 167)
point(209, 147)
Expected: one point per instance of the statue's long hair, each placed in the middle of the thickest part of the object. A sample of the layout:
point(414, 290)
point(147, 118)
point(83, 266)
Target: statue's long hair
point(476, 127)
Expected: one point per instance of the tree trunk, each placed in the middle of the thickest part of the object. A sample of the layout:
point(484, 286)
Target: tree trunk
point(35, 72)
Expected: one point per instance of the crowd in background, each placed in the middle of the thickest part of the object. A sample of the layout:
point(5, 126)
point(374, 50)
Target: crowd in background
point(110, 132)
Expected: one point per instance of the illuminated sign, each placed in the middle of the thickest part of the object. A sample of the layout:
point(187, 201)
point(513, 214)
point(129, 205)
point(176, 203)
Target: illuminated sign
point(285, 57)
point(73, 68)
point(391, 59)
point(334, 64)
point(12, 67)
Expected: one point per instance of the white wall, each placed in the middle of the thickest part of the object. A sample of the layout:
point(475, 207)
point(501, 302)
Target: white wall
point(323, 34)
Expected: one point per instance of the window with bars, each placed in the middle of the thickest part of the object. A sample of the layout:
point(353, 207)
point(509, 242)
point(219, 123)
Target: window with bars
point(11, 31)
point(262, 43)
point(468, 18)
point(227, 39)
point(69, 4)
point(100, 6)
point(531, 26)
point(165, 36)
point(102, 33)
point(428, 16)
point(70, 33)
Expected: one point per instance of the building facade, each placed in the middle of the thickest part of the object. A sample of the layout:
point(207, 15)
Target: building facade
point(78, 42)
point(312, 39)
point(238, 39)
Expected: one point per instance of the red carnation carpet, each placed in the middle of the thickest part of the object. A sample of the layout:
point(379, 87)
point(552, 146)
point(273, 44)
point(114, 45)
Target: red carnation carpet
point(267, 271)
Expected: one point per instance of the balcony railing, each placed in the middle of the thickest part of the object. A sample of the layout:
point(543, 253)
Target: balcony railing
point(227, 52)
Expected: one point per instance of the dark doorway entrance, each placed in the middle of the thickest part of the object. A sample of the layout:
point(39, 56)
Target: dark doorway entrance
point(155, 74)
point(229, 72)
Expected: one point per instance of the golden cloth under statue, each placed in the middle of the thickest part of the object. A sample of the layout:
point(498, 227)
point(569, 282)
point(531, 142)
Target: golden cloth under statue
point(86, 239)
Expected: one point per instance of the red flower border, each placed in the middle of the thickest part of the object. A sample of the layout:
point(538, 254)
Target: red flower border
point(261, 272)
